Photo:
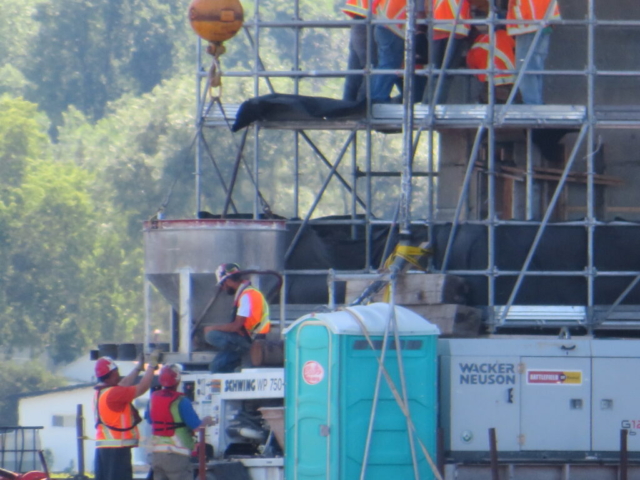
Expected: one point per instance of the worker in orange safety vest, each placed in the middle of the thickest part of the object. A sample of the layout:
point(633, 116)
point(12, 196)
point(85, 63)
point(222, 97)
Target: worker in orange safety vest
point(249, 320)
point(479, 58)
point(354, 87)
point(116, 418)
point(539, 12)
point(454, 13)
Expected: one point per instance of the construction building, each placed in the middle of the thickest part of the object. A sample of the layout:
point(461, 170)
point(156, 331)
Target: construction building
point(534, 206)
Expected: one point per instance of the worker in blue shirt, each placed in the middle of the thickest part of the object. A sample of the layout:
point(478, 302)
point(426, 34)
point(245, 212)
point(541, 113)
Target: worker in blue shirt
point(173, 422)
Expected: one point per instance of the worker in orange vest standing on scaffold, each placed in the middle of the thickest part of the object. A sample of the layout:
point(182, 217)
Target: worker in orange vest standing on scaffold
point(448, 28)
point(354, 86)
point(539, 12)
point(479, 58)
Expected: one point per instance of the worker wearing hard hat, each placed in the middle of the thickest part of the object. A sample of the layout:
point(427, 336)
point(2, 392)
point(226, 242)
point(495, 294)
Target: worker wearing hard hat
point(539, 12)
point(250, 318)
point(173, 422)
point(116, 418)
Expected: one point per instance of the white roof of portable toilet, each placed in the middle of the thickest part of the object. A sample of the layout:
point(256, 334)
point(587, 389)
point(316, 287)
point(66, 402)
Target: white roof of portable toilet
point(374, 317)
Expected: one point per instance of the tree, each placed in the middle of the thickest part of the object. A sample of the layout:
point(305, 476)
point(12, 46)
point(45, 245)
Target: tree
point(89, 53)
point(17, 30)
point(17, 379)
point(50, 239)
point(56, 246)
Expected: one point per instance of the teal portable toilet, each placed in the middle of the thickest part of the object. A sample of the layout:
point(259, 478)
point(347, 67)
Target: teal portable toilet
point(330, 384)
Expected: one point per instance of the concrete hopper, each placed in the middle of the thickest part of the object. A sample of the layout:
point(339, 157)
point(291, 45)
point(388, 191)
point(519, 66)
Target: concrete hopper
point(181, 257)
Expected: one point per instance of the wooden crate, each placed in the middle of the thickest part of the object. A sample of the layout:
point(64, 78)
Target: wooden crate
point(452, 320)
point(417, 289)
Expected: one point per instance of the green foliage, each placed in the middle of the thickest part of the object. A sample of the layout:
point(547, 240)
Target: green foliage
point(137, 153)
point(17, 379)
point(17, 31)
point(21, 140)
point(50, 239)
point(89, 53)
point(64, 270)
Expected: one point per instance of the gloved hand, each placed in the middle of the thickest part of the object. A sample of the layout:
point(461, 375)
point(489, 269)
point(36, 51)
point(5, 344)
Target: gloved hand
point(140, 366)
point(154, 358)
point(207, 422)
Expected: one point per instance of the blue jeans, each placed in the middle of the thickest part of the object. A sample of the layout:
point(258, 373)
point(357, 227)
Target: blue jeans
point(354, 86)
point(231, 346)
point(531, 85)
point(390, 57)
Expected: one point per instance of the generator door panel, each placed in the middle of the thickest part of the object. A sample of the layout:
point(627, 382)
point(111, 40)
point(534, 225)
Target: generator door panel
point(556, 403)
point(616, 404)
point(484, 394)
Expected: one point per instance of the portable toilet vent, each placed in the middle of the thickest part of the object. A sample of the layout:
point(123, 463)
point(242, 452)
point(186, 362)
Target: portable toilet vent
point(331, 377)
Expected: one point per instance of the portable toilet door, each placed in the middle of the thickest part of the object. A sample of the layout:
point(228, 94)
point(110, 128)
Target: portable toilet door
point(330, 378)
point(310, 363)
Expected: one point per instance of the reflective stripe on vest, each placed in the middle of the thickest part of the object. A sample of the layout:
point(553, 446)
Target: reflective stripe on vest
point(356, 8)
point(452, 10)
point(531, 10)
point(258, 320)
point(105, 417)
point(504, 57)
point(391, 10)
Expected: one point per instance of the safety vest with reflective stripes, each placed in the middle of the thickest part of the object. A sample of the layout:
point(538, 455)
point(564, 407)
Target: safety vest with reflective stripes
point(114, 429)
point(504, 57)
point(391, 10)
point(356, 8)
point(258, 320)
point(170, 433)
point(452, 10)
point(531, 10)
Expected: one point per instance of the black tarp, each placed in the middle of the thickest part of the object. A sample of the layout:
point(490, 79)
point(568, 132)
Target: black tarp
point(561, 248)
point(281, 107)
point(323, 245)
point(328, 243)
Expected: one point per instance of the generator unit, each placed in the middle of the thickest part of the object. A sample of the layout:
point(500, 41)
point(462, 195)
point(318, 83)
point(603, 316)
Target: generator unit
point(556, 399)
point(247, 410)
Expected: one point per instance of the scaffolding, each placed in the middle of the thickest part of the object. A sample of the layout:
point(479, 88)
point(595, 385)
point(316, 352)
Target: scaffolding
point(481, 166)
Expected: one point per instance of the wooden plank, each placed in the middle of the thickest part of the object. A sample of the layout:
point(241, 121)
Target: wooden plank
point(417, 289)
point(553, 175)
point(452, 320)
point(623, 209)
